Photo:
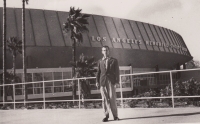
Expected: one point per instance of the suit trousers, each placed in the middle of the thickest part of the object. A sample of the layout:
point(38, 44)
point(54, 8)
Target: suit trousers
point(109, 99)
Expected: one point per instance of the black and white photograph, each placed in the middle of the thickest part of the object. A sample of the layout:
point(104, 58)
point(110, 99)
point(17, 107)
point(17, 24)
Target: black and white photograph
point(99, 61)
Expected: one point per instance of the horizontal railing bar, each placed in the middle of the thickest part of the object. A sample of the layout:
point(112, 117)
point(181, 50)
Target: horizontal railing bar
point(162, 97)
point(50, 81)
point(95, 77)
point(160, 72)
point(186, 96)
point(91, 100)
point(101, 99)
point(41, 101)
point(62, 100)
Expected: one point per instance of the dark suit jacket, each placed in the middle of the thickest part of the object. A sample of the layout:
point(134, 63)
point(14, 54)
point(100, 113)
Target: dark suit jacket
point(111, 73)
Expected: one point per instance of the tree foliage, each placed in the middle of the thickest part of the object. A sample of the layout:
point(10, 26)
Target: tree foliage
point(84, 67)
point(193, 64)
point(76, 24)
point(14, 46)
point(10, 79)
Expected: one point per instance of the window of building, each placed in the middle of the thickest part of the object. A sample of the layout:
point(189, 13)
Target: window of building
point(48, 85)
point(58, 85)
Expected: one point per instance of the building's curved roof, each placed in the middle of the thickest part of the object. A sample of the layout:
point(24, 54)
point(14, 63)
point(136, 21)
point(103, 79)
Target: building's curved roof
point(44, 29)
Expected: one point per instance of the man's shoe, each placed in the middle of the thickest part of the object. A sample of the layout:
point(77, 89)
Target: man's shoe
point(105, 119)
point(116, 118)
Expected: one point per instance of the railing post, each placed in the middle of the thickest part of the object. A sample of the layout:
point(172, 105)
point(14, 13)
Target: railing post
point(172, 89)
point(14, 95)
point(43, 95)
point(120, 81)
point(79, 93)
point(24, 93)
point(4, 94)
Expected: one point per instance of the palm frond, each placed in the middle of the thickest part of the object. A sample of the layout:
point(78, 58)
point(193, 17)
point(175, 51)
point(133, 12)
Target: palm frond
point(85, 16)
point(84, 29)
point(72, 11)
point(82, 20)
point(14, 45)
point(85, 66)
point(26, 1)
point(78, 12)
point(76, 24)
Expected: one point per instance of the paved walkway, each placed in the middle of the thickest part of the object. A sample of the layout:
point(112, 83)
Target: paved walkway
point(95, 116)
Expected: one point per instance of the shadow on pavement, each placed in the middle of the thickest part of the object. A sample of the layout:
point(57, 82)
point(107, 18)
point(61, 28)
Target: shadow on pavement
point(171, 115)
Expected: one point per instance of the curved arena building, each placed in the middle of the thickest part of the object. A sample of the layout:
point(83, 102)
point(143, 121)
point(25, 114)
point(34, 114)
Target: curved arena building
point(138, 46)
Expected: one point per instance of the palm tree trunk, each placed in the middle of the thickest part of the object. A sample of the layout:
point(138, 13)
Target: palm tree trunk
point(4, 51)
point(73, 69)
point(14, 58)
point(14, 68)
point(23, 50)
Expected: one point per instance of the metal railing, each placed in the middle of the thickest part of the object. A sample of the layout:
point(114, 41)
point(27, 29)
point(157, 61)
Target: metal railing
point(172, 97)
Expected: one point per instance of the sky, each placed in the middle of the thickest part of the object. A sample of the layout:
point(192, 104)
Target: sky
point(181, 16)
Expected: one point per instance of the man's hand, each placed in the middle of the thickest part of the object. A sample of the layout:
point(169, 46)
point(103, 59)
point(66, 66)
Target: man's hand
point(97, 85)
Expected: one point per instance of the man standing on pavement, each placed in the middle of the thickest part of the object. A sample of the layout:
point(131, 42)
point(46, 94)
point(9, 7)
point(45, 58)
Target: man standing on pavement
point(107, 78)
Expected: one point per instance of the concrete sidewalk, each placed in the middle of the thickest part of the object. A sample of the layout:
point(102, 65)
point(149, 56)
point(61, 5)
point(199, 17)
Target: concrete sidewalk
point(95, 116)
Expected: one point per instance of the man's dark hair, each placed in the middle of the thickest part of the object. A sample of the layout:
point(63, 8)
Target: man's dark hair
point(107, 47)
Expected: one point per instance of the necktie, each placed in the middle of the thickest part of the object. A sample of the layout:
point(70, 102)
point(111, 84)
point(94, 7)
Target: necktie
point(105, 63)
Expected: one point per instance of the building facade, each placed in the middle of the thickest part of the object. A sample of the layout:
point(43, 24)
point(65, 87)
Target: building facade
point(138, 46)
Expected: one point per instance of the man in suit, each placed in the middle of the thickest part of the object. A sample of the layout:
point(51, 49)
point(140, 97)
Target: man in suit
point(107, 78)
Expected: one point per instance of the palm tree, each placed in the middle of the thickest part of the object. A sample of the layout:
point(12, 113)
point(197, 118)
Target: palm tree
point(23, 48)
point(10, 79)
point(15, 47)
point(75, 25)
point(4, 49)
point(84, 67)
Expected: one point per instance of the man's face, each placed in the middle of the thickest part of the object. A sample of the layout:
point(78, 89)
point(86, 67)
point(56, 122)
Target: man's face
point(105, 51)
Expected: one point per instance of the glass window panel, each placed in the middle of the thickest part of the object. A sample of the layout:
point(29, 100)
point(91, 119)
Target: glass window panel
point(48, 76)
point(1, 91)
point(48, 90)
point(126, 81)
point(38, 90)
point(127, 71)
point(121, 71)
point(57, 75)
point(19, 79)
point(37, 77)
point(29, 85)
point(67, 88)
point(48, 84)
point(18, 91)
point(168, 76)
point(58, 83)
point(30, 90)
point(29, 79)
point(38, 85)
point(1, 80)
point(58, 89)
point(18, 86)
point(68, 83)
point(67, 75)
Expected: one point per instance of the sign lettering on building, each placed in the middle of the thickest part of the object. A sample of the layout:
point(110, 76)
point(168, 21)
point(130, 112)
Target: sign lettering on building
point(139, 42)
